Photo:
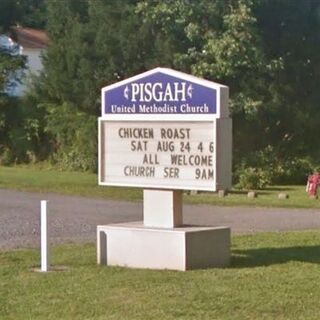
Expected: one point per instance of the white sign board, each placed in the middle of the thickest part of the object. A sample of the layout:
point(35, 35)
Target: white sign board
point(164, 129)
point(177, 155)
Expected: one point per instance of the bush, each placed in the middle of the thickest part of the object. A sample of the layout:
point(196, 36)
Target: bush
point(294, 171)
point(74, 137)
point(267, 167)
point(6, 157)
point(252, 179)
point(22, 137)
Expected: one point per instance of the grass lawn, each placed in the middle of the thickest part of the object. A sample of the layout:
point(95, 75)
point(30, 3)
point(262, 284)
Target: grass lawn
point(85, 184)
point(272, 276)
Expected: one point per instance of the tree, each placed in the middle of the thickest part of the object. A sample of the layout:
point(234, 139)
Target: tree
point(220, 41)
point(290, 32)
point(8, 14)
point(29, 13)
point(92, 45)
point(264, 50)
point(20, 130)
point(10, 68)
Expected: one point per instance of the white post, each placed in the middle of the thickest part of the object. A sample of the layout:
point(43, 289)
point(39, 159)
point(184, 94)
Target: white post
point(44, 237)
point(162, 208)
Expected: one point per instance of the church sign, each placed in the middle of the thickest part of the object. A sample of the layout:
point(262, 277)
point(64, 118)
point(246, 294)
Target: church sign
point(164, 129)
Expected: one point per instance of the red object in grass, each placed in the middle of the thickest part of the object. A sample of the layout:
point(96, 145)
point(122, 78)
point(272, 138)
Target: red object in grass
point(312, 184)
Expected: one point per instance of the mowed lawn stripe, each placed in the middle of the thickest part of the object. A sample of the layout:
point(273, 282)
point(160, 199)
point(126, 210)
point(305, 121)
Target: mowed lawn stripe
point(272, 276)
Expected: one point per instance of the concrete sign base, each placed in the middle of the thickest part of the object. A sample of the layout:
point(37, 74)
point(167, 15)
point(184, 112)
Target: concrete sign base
point(183, 248)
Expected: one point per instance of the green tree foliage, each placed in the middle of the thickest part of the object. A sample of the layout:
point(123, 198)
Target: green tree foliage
point(29, 13)
point(220, 41)
point(216, 40)
point(74, 136)
point(92, 45)
point(241, 43)
point(10, 63)
point(290, 31)
point(8, 14)
point(266, 51)
point(22, 137)
point(11, 66)
point(288, 122)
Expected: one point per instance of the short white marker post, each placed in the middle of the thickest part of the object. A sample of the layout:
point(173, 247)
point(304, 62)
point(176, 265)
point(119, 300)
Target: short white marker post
point(44, 237)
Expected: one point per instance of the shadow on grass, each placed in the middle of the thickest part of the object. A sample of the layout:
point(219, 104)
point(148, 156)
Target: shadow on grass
point(270, 256)
point(280, 189)
point(262, 192)
point(240, 192)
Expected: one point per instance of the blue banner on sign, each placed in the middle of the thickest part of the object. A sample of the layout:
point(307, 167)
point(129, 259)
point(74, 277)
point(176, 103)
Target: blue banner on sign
point(160, 93)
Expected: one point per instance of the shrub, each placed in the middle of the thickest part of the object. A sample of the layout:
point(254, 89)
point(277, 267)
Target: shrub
point(22, 138)
point(74, 137)
point(269, 167)
point(294, 171)
point(6, 157)
point(252, 178)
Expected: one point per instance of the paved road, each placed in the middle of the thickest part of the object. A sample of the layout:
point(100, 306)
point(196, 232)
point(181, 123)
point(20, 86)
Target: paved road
point(74, 219)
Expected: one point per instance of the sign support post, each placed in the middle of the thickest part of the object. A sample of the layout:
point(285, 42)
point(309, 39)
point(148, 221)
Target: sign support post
point(167, 213)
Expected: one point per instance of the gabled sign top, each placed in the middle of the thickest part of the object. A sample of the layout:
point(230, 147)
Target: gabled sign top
point(163, 91)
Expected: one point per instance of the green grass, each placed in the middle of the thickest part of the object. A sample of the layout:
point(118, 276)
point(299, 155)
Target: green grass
point(272, 276)
point(85, 184)
point(70, 183)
